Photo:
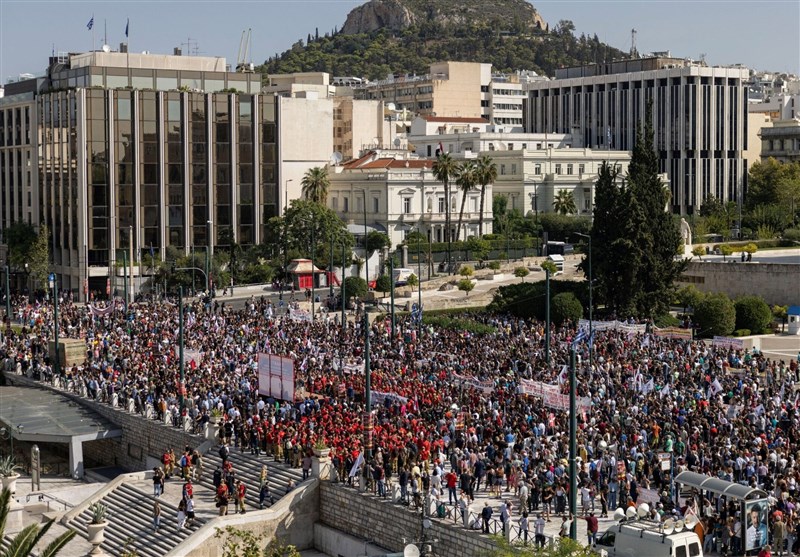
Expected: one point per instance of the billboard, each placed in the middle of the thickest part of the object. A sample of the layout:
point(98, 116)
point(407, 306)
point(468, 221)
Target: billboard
point(276, 376)
point(756, 533)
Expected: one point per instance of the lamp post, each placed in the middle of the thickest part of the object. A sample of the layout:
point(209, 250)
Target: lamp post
point(208, 257)
point(313, 269)
point(367, 371)
point(547, 317)
point(344, 294)
point(419, 282)
point(573, 447)
point(330, 271)
point(285, 233)
point(125, 277)
point(591, 343)
point(8, 293)
point(391, 276)
point(54, 285)
point(181, 387)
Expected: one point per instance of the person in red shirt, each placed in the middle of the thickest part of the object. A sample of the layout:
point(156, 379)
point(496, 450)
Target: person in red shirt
point(451, 480)
point(241, 490)
point(766, 551)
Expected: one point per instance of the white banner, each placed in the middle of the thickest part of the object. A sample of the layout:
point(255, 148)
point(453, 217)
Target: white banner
point(727, 342)
point(276, 376)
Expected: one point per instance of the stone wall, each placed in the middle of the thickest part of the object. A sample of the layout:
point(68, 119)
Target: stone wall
point(141, 438)
point(776, 283)
point(388, 524)
point(291, 520)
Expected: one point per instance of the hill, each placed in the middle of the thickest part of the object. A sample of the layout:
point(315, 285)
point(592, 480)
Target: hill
point(383, 37)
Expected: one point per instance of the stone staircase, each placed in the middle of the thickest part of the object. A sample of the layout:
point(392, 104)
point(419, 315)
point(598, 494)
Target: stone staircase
point(248, 469)
point(129, 515)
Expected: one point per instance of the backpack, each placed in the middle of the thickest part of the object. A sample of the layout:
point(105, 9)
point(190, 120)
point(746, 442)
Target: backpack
point(184, 463)
point(223, 452)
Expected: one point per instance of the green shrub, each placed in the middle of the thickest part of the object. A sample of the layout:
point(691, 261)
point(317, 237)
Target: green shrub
point(412, 280)
point(715, 314)
point(384, 283)
point(466, 285)
point(565, 306)
point(753, 313)
point(456, 324)
point(741, 333)
point(667, 320)
point(494, 265)
point(548, 265)
point(355, 286)
point(521, 272)
point(791, 234)
point(466, 271)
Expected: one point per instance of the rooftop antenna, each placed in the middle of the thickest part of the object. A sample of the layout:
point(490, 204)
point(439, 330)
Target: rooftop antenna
point(703, 58)
point(192, 48)
point(634, 53)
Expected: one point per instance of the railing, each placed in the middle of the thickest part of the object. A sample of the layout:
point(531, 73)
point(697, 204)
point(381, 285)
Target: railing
point(46, 498)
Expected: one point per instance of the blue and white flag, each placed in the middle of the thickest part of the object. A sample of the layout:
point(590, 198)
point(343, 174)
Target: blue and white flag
point(90, 24)
point(127, 25)
point(580, 337)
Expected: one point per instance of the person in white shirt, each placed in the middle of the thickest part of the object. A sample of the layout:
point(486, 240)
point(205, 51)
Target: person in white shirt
point(538, 529)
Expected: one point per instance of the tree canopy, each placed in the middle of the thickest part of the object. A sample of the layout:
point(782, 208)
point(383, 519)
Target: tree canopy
point(635, 239)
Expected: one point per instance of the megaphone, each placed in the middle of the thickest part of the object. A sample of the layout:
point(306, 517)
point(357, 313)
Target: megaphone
point(690, 522)
point(630, 513)
point(643, 510)
point(679, 525)
point(669, 526)
point(619, 515)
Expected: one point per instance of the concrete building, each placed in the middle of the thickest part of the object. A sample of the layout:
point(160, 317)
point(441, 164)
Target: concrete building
point(401, 194)
point(461, 89)
point(699, 119)
point(124, 153)
point(781, 141)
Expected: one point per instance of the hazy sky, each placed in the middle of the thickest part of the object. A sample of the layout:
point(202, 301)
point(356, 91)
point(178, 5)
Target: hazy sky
point(761, 34)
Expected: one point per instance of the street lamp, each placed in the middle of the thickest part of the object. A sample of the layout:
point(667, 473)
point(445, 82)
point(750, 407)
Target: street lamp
point(285, 233)
point(182, 386)
point(8, 293)
point(419, 282)
point(367, 371)
point(53, 280)
point(591, 348)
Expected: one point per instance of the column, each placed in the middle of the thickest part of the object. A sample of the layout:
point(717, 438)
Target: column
point(76, 458)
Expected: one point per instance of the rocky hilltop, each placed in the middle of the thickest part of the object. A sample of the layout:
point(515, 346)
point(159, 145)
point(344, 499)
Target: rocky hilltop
point(396, 15)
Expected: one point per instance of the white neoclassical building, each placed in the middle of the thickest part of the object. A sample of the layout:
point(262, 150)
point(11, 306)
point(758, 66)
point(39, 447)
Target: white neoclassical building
point(402, 195)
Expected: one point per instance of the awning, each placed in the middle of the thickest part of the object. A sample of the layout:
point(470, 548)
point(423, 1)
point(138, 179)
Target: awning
point(358, 229)
point(719, 486)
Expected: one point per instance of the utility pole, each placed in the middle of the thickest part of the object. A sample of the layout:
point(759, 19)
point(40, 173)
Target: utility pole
point(125, 277)
point(182, 387)
point(8, 294)
point(313, 269)
point(54, 286)
point(130, 268)
point(330, 271)
point(367, 371)
point(547, 317)
point(573, 447)
point(419, 284)
point(344, 293)
point(591, 347)
point(391, 276)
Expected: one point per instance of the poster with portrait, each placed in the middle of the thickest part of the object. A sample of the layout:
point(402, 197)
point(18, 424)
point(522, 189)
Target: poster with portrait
point(756, 532)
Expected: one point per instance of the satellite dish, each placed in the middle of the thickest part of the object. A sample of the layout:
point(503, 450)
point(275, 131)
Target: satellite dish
point(643, 510)
point(106, 48)
point(426, 523)
point(411, 550)
point(336, 158)
point(690, 522)
point(679, 525)
point(619, 515)
point(397, 142)
point(669, 526)
point(391, 106)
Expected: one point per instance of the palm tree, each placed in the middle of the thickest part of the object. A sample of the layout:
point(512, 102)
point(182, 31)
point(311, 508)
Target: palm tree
point(445, 168)
point(315, 184)
point(24, 542)
point(486, 173)
point(466, 180)
point(565, 203)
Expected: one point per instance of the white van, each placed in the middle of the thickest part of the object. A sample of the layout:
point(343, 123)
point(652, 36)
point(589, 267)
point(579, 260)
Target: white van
point(645, 538)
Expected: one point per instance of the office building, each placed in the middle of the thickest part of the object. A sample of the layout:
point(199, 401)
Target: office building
point(126, 153)
point(699, 119)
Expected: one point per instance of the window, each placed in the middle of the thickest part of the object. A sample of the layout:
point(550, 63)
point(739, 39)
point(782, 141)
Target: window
point(680, 551)
point(406, 205)
point(376, 204)
point(441, 204)
point(335, 203)
point(569, 170)
point(587, 199)
point(511, 148)
point(513, 169)
point(345, 204)
point(694, 549)
point(537, 169)
point(502, 170)
point(558, 168)
point(581, 168)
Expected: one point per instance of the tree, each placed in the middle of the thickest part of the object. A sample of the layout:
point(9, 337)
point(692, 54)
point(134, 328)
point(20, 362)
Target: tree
point(689, 296)
point(699, 251)
point(521, 272)
point(466, 271)
point(565, 547)
point(383, 284)
point(466, 180)
point(781, 313)
point(548, 265)
point(726, 250)
point(445, 168)
point(659, 267)
point(376, 241)
point(242, 543)
point(715, 314)
point(752, 313)
point(486, 174)
point(355, 286)
point(315, 185)
point(564, 203)
point(466, 285)
point(19, 237)
point(39, 253)
point(565, 306)
point(24, 542)
point(412, 280)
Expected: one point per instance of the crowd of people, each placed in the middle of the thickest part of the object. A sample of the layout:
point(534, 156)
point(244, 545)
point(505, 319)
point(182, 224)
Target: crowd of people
point(451, 416)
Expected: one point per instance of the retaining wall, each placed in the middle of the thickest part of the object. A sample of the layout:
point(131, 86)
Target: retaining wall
point(775, 282)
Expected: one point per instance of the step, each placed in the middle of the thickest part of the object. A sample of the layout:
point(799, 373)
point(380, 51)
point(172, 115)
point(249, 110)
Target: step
point(130, 518)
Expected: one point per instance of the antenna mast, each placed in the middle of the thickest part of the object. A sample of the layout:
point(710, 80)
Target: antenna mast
point(634, 53)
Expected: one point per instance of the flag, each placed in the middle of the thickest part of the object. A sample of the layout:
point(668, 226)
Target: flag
point(715, 387)
point(152, 252)
point(608, 136)
point(562, 377)
point(665, 391)
point(127, 25)
point(647, 387)
point(579, 337)
point(357, 464)
point(90, 24)
point(441, 148)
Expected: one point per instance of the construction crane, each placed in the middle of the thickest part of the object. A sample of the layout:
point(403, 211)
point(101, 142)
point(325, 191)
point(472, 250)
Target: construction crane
point(242, 63)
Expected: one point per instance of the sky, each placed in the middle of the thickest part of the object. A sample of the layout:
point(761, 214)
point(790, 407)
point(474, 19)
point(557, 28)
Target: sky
point(761, 34)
